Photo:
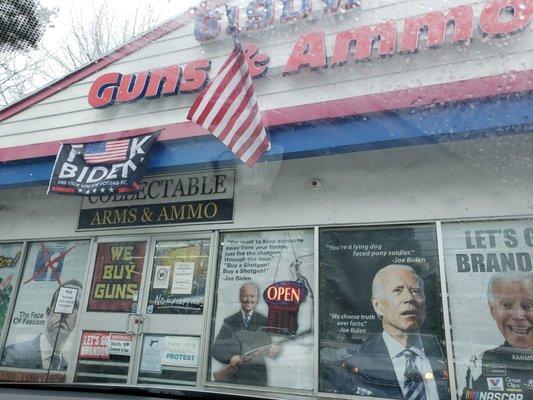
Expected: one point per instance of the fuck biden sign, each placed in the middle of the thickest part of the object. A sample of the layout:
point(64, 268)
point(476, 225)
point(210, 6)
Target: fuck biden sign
point(163, 200)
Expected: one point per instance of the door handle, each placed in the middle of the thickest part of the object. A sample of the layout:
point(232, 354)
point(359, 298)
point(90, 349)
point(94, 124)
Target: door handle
point(135, 323)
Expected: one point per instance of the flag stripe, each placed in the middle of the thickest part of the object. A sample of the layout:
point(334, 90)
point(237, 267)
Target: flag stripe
point(227, 124)
point(249, 151)
point(213, 92)
point(199, 100)
point(235, 120)
point(61, 189)
point(228, 109)
point(251, 144)
point(255, 152)
point(230, 88)
point(249, 126)
point(254, 136)
point(244, 127)
point(240, 125)
point(236, 106)
point(256, 155)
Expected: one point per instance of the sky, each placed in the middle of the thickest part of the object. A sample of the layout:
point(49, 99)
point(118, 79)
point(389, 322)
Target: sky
point(163, 8)
point(58, 33)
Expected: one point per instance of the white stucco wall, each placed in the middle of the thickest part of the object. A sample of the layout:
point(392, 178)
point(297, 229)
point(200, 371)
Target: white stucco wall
point(460, 180)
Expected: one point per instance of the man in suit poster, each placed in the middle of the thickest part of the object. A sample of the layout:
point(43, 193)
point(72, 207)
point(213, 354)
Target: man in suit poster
point(398, 363)
point(381, 314)
point(241, 332)
point(258, 273)
point(10, 254)
point(489, 269)
point(510, 300)
point(44, 351)
point(39, 338)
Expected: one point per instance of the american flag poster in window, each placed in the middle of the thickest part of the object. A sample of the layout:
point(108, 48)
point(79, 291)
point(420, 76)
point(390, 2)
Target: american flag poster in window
point(106, 152)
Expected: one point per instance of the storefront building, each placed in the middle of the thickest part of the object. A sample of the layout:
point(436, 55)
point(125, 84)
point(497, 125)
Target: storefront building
point(400, 135)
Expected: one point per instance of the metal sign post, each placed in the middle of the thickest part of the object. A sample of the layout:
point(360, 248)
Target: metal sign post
point(65, 303)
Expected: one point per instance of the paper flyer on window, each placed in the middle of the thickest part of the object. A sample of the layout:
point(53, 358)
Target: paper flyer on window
point(489, 271)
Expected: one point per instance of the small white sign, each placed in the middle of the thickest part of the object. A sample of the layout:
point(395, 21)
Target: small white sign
point(152, 354)
point(182, 278)
point(181, 351)
point(120, 344)
point(66, 300)
point(162, 277)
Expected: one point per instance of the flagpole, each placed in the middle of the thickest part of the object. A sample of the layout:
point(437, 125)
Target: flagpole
point(232, 25)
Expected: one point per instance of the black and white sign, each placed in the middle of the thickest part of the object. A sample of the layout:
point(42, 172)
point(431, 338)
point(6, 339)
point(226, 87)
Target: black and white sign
point(115, 166)
point(203, 197)
point(66, 300)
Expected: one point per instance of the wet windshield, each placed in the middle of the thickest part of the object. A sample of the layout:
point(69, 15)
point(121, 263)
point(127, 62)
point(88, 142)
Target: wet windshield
point(268, 197)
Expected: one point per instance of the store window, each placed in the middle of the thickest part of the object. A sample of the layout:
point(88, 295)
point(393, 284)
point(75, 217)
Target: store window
point(179, 277)
point(490, 281)
point(169, 360)
point(104, 357)
point(381, 313)
point(10, 261)
point(41, 339)
point(265, 307)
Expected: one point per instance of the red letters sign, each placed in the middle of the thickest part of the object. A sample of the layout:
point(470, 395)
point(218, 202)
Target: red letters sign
point(497, 18)
point(284, 299)
point(94, 345)
point(169, 81)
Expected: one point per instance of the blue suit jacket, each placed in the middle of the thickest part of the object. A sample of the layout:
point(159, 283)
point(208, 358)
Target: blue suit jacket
point(27, 355)
point(370, 370)
point(229, 342)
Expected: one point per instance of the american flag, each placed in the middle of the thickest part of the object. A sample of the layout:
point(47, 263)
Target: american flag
point(106, 152)
point(228, 109)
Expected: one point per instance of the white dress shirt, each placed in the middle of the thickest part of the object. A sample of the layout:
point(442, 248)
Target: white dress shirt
point(46, 353)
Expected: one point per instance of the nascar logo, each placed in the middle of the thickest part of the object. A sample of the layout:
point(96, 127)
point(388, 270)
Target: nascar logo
point(474, 395)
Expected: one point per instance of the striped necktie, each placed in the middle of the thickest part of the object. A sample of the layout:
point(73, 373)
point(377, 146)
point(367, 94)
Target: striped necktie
point(52, 362)
point(414, 384)
point(246, 320)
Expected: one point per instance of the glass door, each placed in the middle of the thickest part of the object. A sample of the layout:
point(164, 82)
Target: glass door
point(109, 323)
point(144, 312)
point(173, 309)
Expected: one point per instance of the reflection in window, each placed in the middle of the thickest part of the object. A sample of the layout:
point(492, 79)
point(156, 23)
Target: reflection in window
point(178, 278)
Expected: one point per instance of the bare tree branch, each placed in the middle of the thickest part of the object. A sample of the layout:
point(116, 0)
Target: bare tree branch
point(92, 33)
point(89, 40)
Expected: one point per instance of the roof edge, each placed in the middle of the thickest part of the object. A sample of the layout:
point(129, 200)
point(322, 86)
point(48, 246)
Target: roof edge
point(451, 92)
point(96, 65)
